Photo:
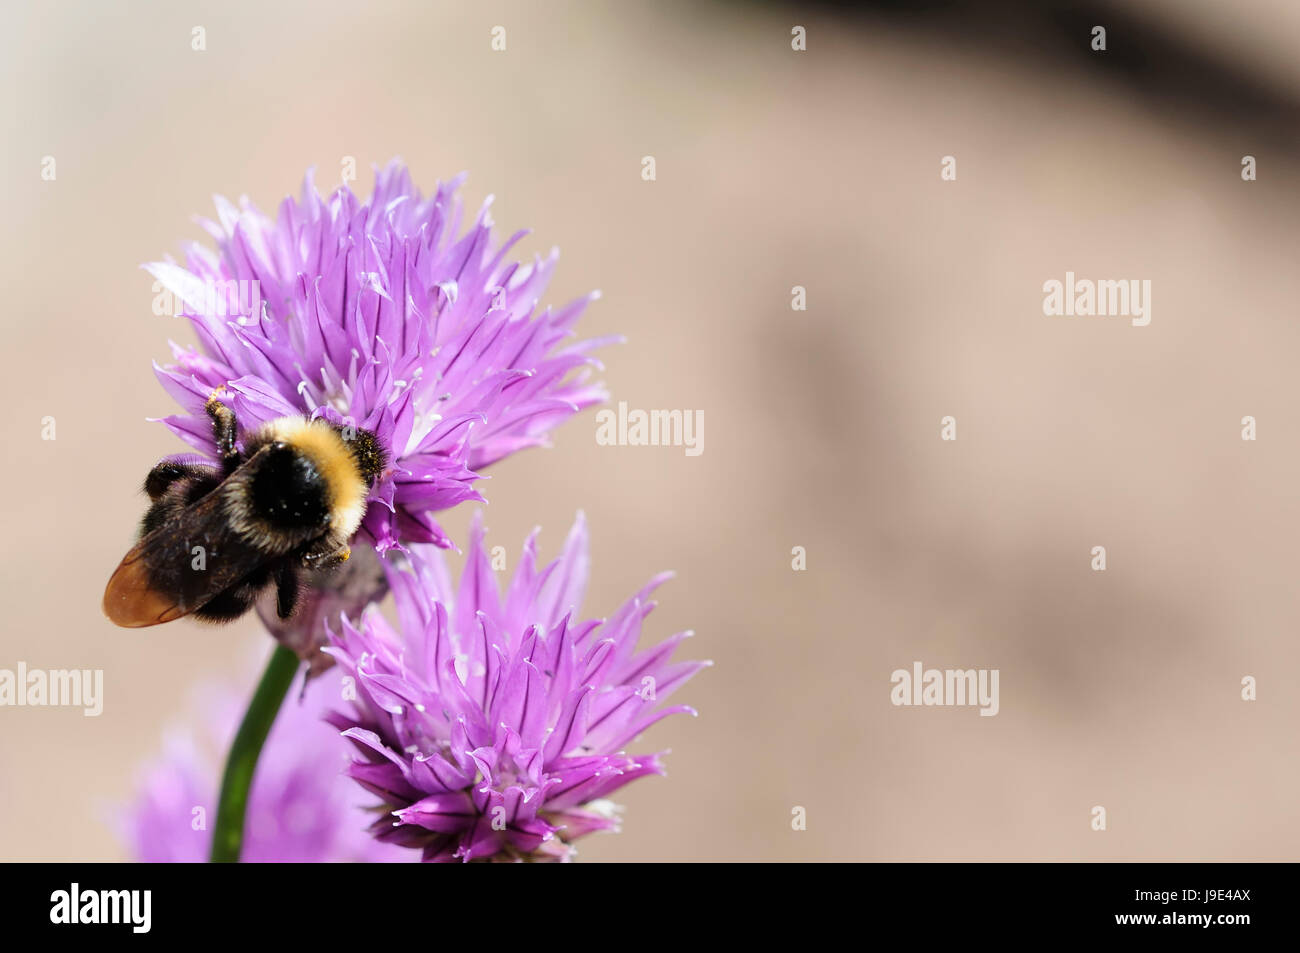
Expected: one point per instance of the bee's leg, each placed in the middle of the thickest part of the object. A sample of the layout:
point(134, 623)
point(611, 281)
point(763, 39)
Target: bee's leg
point(172, 487)
point(286, 589)
point(168, 472)
point(233, 602)
point(228, 605)
point(163, 508)
point(325, 553)
point(171, 500)
point(224, 429)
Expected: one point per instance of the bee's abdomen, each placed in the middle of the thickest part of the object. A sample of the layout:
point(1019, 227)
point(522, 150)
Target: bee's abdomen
point(287, 491)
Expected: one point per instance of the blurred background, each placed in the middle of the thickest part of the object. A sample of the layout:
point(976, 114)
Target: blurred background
point(775, 168)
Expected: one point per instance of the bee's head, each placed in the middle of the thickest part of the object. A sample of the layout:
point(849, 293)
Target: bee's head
point(369, 454)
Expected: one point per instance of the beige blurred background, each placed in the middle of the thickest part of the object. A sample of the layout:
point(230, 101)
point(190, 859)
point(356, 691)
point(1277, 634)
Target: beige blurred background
point(775, 169)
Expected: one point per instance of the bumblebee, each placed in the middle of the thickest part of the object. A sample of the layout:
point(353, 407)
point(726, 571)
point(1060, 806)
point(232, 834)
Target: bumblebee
point(213, 539)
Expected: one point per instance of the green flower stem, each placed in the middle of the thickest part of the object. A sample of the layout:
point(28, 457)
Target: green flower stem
point(228, 837)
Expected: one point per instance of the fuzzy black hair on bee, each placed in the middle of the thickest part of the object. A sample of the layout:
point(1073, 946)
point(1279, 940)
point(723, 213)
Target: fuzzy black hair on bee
point(214, 538)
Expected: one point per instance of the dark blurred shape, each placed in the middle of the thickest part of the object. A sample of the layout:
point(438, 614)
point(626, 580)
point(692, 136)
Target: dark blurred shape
point(1170, 74)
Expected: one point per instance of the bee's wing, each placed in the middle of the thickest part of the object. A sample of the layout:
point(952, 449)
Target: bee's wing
point(176, 568)
point(130, 600)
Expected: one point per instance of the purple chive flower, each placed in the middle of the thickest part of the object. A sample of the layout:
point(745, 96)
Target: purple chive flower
point(301, 807)
point(384, 314)
point(494, 724)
